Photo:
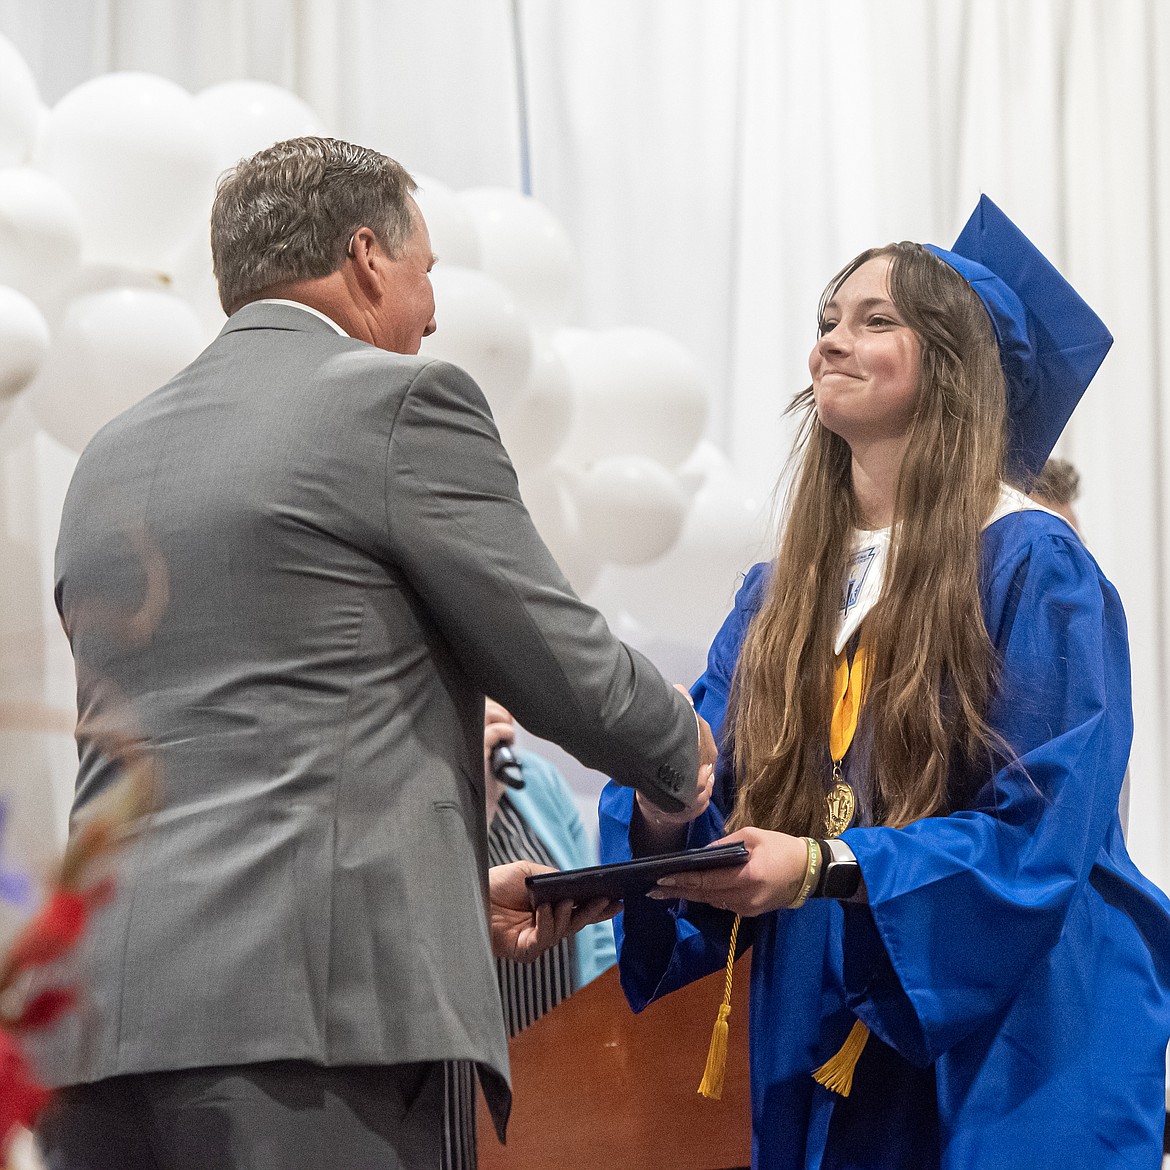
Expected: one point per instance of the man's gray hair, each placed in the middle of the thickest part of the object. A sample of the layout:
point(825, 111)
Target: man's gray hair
point(288, 213)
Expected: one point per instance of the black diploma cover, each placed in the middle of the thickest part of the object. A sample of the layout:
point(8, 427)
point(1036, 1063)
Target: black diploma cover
point(627, 879)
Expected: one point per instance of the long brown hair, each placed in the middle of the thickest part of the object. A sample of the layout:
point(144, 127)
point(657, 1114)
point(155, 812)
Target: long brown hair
point(931, 663)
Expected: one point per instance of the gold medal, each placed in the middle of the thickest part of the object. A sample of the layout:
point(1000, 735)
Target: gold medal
point(848, 692)
point(838, 808)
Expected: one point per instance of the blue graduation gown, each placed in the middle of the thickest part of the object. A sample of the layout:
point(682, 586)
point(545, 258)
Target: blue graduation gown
point(1011, 962)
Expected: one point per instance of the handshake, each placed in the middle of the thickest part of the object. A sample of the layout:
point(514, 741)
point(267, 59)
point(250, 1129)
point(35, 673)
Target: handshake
point(522, 933)
point(663, 828)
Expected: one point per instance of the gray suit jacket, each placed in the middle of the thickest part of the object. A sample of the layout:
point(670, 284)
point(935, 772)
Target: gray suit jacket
point(350, 568)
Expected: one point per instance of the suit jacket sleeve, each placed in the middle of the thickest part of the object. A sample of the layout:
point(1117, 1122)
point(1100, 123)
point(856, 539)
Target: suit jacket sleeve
point(458, 529)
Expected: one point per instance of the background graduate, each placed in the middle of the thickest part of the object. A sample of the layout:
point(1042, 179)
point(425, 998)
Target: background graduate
point(924, 711)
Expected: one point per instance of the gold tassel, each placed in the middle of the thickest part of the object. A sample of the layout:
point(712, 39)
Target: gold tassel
point(836, 1074)
point(711, 1086)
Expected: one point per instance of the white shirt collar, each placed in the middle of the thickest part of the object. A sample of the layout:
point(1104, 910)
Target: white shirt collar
point(307, 308)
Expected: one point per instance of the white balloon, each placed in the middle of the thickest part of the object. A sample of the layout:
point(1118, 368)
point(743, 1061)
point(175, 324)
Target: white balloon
point(133, 151)
point(43, 114)
point(246, 116)
point(707, 461)
point(554, 511)
point(24, 341)
point(20, 106)
point(113, 348)
point(687, 593)
point(524, 246)
point(535, 425)
point(193, 278)
point(453, 236)
point(93, 278)
point(40, 231)
point(631, 508)
point(481, 329)
point(636, 392)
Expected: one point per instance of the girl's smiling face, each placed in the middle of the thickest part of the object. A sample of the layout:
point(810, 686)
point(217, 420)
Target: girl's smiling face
point(867, 362)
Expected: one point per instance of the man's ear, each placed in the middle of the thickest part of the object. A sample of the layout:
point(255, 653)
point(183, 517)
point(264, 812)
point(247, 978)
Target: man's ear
point(366, 258)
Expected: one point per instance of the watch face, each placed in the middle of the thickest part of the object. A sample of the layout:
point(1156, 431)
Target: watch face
point(841, 879)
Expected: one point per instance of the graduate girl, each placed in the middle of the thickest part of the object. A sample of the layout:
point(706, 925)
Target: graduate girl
point(924, 712)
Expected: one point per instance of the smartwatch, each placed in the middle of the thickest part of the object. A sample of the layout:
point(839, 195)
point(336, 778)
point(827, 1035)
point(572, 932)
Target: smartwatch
point(840, 874)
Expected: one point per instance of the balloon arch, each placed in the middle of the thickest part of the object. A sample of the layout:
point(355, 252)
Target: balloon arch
point(106, 290)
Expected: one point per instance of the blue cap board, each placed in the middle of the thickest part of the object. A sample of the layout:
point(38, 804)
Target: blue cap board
point(1050, 342)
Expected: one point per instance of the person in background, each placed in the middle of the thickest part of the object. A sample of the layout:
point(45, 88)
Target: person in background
point(924, 711)
point(1057, 487)
point(538, 822)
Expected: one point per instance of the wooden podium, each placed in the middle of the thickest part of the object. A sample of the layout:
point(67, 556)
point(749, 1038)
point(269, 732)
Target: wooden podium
point(596, 1087)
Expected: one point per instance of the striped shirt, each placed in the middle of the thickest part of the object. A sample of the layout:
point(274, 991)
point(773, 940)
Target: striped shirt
point(527, 990)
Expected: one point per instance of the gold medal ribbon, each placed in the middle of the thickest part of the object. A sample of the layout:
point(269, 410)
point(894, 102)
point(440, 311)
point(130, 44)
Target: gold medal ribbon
point(836, 1074)
point(848, 692)
point(848, 689)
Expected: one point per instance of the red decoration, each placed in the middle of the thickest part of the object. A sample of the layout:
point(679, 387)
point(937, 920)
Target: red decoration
point(44, 1008)
point(21, 1098)
point(51, 933)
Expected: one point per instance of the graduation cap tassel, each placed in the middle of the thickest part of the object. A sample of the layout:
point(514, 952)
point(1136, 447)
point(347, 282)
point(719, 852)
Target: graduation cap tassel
point(836, 1074)
point(711, 1086)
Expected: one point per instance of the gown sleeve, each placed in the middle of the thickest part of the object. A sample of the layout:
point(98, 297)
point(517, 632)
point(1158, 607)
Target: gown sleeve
point(961, 908)
point(664, 945)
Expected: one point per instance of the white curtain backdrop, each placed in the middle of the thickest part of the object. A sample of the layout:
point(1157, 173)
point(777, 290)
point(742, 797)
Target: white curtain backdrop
point(715, 161)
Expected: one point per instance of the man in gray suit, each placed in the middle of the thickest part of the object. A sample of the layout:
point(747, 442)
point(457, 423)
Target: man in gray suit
point(304, 931)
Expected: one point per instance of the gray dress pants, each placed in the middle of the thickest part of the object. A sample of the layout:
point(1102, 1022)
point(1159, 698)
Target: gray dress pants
point(282, 1115)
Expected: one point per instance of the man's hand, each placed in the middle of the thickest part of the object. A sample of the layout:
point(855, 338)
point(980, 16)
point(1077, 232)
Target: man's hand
point(769, 880)
point(660, 820)
point(660, 831)
point(708, 748)
point(521, 933)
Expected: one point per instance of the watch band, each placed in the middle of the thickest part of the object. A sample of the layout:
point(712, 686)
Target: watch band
point(840, 873)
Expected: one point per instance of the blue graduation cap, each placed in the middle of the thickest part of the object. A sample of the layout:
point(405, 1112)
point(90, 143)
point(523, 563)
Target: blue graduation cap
point(1050, 342)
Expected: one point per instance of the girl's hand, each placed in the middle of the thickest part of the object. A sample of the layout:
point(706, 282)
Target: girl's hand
point(770, 879)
